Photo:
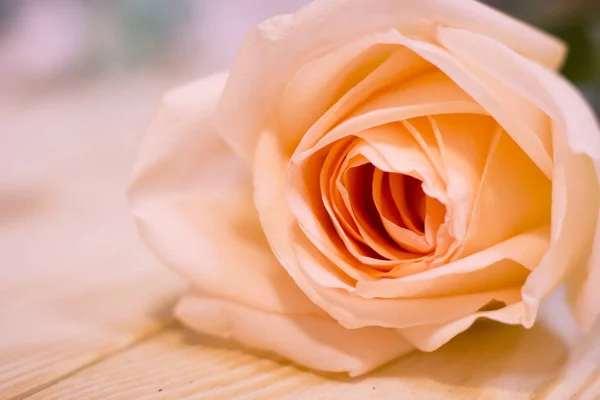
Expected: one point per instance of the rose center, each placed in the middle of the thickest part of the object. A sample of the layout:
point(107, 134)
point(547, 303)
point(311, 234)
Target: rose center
point(388, 211)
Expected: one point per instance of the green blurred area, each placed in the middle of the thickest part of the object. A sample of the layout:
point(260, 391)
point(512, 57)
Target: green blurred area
point(147, 28)
point(577, 22)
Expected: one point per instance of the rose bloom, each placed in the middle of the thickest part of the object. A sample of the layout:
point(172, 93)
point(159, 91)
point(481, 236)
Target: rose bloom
point(371, 177)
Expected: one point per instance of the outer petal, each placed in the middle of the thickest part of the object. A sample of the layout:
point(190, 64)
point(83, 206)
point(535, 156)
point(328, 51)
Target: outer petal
point(505, 264)
point(432, 337)
point(193, 203)
point(585, 285)
point(276, 49)
point(576, 137)
point(192, 198)
point(317, 342)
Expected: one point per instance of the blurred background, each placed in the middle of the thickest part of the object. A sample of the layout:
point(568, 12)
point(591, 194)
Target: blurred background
point(46, 44)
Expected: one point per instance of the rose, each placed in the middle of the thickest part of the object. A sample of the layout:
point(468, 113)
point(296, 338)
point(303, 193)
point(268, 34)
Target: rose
point(398, 170)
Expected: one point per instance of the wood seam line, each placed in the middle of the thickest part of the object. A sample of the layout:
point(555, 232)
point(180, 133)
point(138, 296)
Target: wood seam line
point(136, 342)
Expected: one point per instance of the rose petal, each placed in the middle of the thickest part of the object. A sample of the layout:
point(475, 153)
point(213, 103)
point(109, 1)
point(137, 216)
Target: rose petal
point(575, 183)
point(353, 311)
point(305, 195)
point(392, 148)
point(272, 53)
point(432, 337)
point(575, 202)
point(359, 184)
point(507, 71)
point(430, 93)
point(392, 218)
point(339, 214)
point(492, 101)
point(269, 176)
point(297, 254)
point(464, 142)
point(585, 286)
point(422, 132)
point(305, 189)
point(514, 197)
point(314, 341)
point(343, 77)
point(401, 66)
point(192, 200)
point(483, 271)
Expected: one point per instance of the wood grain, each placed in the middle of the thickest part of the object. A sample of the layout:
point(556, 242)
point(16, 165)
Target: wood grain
point(75, 285)
point(85, 309)
point(488, 362)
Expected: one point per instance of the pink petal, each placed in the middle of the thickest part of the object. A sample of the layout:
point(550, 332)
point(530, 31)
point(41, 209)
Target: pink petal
point(274, 51)
point(575, 198)
point(314, 341)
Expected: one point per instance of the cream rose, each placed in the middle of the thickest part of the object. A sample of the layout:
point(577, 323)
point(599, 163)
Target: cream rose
point(371, 177)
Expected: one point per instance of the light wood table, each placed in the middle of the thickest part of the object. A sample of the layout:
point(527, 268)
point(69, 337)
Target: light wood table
point(85, 309)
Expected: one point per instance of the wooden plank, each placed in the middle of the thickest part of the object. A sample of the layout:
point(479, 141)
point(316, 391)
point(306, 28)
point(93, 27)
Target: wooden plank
point(76, 284)
point(41, 343)
point(490, 361)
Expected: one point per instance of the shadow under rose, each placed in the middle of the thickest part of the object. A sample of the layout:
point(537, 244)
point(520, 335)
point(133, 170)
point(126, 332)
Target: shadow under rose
point(192, 338)
point(488, 357)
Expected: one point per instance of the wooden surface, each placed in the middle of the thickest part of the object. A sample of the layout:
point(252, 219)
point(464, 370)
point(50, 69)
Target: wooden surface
point(85, 309)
